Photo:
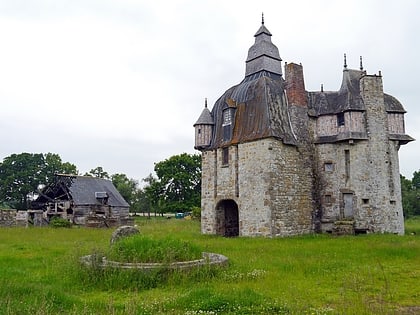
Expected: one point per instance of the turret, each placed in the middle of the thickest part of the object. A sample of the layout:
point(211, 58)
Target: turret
point(263, 55)
point(204, 129)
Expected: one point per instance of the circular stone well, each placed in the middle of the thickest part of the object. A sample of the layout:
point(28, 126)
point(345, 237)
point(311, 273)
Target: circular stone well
point(210, 259)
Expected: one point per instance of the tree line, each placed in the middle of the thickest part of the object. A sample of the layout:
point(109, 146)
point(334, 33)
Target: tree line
point(410, 190)
point(175, 186)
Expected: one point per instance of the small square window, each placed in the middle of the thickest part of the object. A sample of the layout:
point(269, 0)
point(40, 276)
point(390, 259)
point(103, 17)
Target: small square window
point(328, 199)
point(365, 201)
point(328, 167)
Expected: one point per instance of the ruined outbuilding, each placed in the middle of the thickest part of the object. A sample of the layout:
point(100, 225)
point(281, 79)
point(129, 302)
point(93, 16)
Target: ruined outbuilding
point(278, 160)
point(83, 200)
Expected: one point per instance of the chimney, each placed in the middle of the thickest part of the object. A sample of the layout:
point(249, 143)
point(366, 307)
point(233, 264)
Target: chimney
point(295, 85)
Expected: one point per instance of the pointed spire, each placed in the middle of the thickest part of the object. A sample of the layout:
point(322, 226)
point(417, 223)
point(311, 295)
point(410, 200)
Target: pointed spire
point(263, 55)
point(361, 64)
point(345, 61)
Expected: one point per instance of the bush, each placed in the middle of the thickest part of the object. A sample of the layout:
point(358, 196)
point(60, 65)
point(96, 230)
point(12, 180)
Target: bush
point(60, 223)
point(196, 213)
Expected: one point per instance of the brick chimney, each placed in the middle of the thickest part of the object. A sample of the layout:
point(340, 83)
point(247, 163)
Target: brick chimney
point(295, 85)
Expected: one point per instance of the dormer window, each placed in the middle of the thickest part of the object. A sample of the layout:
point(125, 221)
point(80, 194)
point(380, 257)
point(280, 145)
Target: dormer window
point(227, 117)
point(227, 123)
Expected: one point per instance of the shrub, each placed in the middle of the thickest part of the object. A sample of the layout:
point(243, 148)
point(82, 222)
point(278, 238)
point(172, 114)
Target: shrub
point(196, 213)
point(60, 223)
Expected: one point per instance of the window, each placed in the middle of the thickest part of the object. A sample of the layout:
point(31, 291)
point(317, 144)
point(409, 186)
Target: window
point(340, 119)
point(227, 123)
point(328, 199)
point(347, 163)
point(365, 201)
point(225, 156)
point(199, 131)
point(328, 166)
point(227, 117)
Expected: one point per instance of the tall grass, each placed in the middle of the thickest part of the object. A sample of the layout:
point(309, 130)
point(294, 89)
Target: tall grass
point(145, 249)
point(313, 274)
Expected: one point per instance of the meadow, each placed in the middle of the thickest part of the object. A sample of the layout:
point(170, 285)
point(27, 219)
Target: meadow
point(313, 274)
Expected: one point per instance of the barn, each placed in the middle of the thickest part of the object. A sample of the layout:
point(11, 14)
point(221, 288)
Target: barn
point(83, 200)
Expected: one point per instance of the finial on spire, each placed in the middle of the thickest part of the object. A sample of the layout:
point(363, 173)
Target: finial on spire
point(262, 18)
point(345, 61)
point(205, 102)
point(361, 64)
point(322, 87)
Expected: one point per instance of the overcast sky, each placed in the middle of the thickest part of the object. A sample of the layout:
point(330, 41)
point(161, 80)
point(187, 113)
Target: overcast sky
point(119, 83)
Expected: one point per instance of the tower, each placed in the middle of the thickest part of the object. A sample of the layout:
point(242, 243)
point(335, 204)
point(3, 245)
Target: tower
point(251, 168)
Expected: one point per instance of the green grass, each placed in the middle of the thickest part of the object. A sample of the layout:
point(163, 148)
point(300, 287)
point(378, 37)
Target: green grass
point(145, 249)
point(314, 274)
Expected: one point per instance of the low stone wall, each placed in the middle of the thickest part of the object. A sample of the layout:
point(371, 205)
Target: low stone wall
point(211, 259)
point(24, 218)
point(7, 218)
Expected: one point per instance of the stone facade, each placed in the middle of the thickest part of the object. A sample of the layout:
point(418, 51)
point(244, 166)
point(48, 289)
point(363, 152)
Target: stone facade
point(278, 160)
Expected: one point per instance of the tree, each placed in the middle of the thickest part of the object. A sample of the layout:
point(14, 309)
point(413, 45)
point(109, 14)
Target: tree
point(153, 193)
point(416, 180)
point(98, 172)
point(178, 187)
point(21, 174)
point(410, 192)
point(128, 188)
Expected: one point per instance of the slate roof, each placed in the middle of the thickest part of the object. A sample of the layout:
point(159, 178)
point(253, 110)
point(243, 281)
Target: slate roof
point(83, 190)
point(348, 98)
point(263, 55)
point(205, 117)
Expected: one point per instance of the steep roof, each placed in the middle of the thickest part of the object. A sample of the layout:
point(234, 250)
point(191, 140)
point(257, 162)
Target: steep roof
point(260, 111)
point(263, 55)
point(259, 101)
point(347, 98)
point(205, 117)
point(83, 189)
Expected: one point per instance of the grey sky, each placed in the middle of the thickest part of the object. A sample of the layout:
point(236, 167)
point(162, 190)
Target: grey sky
point(119, 84)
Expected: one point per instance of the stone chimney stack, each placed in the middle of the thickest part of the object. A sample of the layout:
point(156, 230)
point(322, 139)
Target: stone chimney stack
point(295, 85)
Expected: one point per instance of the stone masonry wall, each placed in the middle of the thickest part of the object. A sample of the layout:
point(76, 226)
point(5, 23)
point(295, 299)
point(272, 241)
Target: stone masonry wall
point(208, 192)
point(371, 172)
point(290, 190)
point(7, 218)
point(387, 214)
point(269, 183)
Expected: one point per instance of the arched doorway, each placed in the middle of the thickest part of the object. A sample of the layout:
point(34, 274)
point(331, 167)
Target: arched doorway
point(227, 218)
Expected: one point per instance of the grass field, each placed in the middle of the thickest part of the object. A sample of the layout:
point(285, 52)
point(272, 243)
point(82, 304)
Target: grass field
point(315, 274)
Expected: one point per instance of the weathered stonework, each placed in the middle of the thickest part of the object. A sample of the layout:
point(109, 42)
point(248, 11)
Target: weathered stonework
point(284, 161)
point(7, 218)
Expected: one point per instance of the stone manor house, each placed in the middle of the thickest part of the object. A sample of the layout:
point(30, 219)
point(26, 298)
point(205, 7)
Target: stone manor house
point(278, 160)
